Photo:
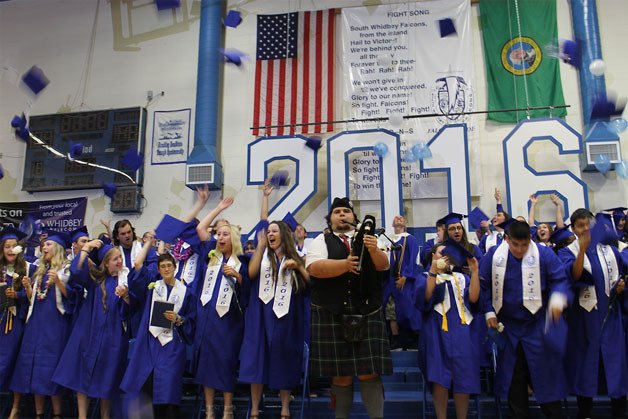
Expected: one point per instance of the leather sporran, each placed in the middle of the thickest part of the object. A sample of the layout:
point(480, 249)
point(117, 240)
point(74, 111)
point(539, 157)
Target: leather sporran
point(353, 327)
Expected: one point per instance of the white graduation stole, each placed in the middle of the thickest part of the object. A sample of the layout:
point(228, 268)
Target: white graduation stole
point(188, 274)
point(283, 292)
point(10, 270)
point(491, 240)
point(160, 293)
point(266, 288)
point(64, 276)
point(530, 277)
point(225, 293)
point(588, 296)
point(210, 283)
point(123, 277)
point(136, 248)
point(458, 282)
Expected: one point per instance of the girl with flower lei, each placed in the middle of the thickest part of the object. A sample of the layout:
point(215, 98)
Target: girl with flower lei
point(159, 355)
point(47, 325)
point(94, 358)
point(13, 269)
point(222, 295)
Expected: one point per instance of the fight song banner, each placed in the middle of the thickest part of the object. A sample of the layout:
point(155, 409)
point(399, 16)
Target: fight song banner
point(171, 136)
point(31, 217)
point(396, 62)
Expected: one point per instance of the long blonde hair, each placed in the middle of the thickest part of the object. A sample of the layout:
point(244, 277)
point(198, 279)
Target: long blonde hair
point(215, 256)
point(99, 274)
point(57, 262)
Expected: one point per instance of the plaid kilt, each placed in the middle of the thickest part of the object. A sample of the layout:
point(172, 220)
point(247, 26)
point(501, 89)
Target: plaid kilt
point(332, 356)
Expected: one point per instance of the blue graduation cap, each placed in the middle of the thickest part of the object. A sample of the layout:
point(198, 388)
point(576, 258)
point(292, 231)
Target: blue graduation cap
point(446, 27)
point(232, 56)
point(18, 121)
point(291, 221)
point(23, 133)
point(618, 213)
point(457, 254)
point(59, 237)
point(499, 338)
point(169, 229)
point(571, 53)
point(280, 178)
point(233, 18)
point(76, 150)
point(507, 223)
point(603, 231)
point(35, 79)
point(78, 233)
point(167, 4)
point(560, 235)
point(10, 232)
point(132, 160)
point(314, 142)
point(476, 216)
point(97, 255)
point(451, 218)
point(109, 189)
point(604, 107)
point(1, 172)
point(499, 208)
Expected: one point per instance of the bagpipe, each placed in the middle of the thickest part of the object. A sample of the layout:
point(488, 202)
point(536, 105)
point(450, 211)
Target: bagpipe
point(366, 228)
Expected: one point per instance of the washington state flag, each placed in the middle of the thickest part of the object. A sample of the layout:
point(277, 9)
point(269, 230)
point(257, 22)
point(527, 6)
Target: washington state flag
point(518, 71)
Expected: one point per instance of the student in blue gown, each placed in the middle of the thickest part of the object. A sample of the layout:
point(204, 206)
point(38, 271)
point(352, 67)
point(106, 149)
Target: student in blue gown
point(522, 284)
point(455, 230)
point(427, 246)
point(14, 269)
point(159, 355)
point(93, 361)
point(449, 342)
point(222, 297)
point(272, 349)
point(495, 237)
point(596, 327)
point(400, 283)
point(47, 325)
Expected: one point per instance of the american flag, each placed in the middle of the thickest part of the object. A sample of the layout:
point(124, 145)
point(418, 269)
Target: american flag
point(294, 73)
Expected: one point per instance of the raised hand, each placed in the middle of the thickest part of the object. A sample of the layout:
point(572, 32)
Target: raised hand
point(225, 203)
point(533, 199)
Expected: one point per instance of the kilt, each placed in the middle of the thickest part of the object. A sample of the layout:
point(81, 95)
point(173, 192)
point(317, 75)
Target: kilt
point(332, 356)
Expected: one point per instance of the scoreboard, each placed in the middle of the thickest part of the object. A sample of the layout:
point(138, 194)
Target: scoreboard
point(106, 136)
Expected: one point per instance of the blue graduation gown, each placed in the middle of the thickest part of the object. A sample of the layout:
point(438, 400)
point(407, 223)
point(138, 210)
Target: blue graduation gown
point(522, 327)
point(217, 339)
point(425, 251)
point(167, 362)
point(482, 244)
point(10, 340)
point(94, 358)
point(272, 348)
point(45, 336)
point(588, 340)
point(451, 359)
point(407, 315)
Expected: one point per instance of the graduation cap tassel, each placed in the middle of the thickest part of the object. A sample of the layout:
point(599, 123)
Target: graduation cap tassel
point(444, 325)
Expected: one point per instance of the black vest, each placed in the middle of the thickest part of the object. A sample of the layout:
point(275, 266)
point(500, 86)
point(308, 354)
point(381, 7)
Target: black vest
point(363, 291)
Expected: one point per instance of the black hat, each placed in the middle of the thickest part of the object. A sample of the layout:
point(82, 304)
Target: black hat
point(340, 203)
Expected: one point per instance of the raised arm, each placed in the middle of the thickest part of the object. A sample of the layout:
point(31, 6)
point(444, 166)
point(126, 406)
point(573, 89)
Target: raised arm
point(141, 256)
point(560, 222)
point(256, 259)
point(531, 215)
point(268, 188)
point(107, 223)
point(202, 195)
point(202, 227)
point(578, 265)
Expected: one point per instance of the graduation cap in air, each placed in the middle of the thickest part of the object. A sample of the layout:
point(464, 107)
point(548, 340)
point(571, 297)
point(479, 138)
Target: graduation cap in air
point(560, 235)
point(233, 18)
point(280, 178)
point(570, 52)
point(314, 142)
point(451, 218)
point(232, 56)
point(132, 160)
point(504, 225)
point(603, 231)
point(499, 208)
point(446, 27)
point(59, 237)
point(76, 150)
point(1, 172)
point(18, 121)
point(605, 107)
point(169, 229)
point(457, 254)
point(23, 133)
point(476, 216)
point(109, 189)
point(10, 232)
point(167, 4)
point(97, 255)
point(291, 221)
point(78, 233)
point(35, 79)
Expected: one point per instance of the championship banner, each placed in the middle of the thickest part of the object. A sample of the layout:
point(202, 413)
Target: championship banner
point(31, 217)
point(396, 61)
point(171, 136)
